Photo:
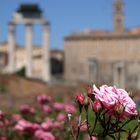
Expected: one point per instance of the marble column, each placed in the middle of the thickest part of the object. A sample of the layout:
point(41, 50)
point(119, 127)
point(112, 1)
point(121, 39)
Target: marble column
point(46, 54)
point(29, 50)
point(12, 48)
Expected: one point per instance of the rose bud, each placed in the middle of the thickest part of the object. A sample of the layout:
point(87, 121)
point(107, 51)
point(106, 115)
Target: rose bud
point(80, 99)
point(96, 106)
point(90, 93)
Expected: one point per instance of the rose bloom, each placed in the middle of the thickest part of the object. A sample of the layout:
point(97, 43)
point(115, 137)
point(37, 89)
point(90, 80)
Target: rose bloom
point(16, 117)
point(42, 135)
point(58, 125)
point(39, 132)
point(47, 125)
point(58, 106)
point(5, 123)
point(47, 108)
point(61, 117)
point(27, 109)
point(115, 100)
point(27, 126)
point(43, 99)
point(2, 138)
point(70, 108)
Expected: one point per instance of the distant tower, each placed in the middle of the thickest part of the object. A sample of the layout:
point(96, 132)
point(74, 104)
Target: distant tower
point(118, 16)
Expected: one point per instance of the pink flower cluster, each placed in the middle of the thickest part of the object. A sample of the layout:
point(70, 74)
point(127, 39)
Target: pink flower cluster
point(49, 106)
point(42, 135)
point(27, 109)
point(26, 126)
point(43, 121)
point(116, 101)
point(41, 131)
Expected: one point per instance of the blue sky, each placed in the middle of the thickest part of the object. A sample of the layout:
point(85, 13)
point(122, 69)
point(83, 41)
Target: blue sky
point(68, 16)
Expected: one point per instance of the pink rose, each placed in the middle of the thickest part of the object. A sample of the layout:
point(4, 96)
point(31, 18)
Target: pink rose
point(58, 106)
point(115, 101)
point(2, 138)
point(58, 125)
point(27, 109)
point(42, 135)
point(106, 96)
point(39, 133)
point(16, 117)
point(47, 108)
point(70, 108)
point(61, 117)
point(22, 124)
point(27, 126)
point(43, 99)
point(47, 125)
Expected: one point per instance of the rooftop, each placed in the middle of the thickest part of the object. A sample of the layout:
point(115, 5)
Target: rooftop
point(103, 34)
point(29, 8)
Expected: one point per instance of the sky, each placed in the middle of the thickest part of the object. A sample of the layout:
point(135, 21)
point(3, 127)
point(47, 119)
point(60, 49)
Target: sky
point(66, 17)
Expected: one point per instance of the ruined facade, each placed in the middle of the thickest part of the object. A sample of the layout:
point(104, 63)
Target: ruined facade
point(35, 60)
point(104, 57)
point(39, 62)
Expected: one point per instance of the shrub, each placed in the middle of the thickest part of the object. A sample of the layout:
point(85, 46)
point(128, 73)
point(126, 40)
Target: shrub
point(107, 114)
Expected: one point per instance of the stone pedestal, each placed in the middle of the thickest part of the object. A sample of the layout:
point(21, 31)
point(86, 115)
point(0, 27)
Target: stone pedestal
point(29, 50)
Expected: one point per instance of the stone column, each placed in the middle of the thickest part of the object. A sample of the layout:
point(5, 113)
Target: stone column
point(46, 54)
point(12, 48)
point(29, 50)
